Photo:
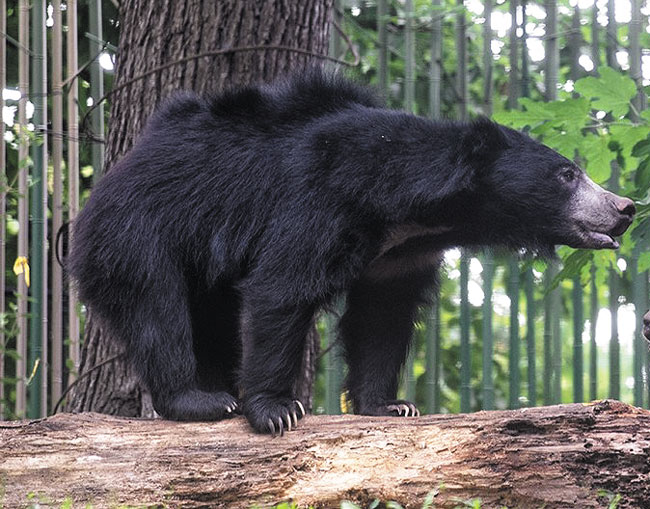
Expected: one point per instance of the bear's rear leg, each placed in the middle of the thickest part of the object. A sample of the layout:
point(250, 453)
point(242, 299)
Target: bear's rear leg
point(376, 330)
point(273, 340)
point(159, 340)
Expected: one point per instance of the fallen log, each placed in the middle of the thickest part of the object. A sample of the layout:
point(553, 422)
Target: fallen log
point(551, 457)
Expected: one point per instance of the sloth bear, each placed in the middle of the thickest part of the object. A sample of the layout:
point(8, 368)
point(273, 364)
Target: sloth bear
point(209, 248)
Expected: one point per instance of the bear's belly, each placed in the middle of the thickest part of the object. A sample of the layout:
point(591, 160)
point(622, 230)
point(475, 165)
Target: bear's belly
point(407, 250)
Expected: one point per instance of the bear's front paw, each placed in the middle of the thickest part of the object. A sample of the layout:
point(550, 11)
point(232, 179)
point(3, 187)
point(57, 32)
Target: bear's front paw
point(398, 407)
point(273, 414)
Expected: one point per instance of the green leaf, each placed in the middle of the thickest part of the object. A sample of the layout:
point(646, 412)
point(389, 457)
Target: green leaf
point(573, 113)
point(345, 504)
point(612, 91)
point(642, 149)
point(565, 142)
point(595, 150)
point(627, 136)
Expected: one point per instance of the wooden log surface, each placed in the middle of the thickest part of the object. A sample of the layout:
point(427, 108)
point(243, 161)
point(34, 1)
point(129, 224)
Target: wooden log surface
point(551, 457)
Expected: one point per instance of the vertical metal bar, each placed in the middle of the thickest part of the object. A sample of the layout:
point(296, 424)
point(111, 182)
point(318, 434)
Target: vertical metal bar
point(38, 308)
point(3, 196)
point(640, 102)
point(529, 286)
point(556, 315)
point(548, 335)
point(578, 325)
point(611, 44)
point(593, 348)
point(614, 291)
point(551, 50)
point(382, 43)
point(525, 75)
point(96, 85)
point(487, 333)
point(23, 219)
point(513, 357)
point(513, 75)
point(638, 297)
point(409, 60)
point(57, 203)
point(332, 369)
point(614, 345)
point(461, 52)
point(595, 37)
point(73, 173)
point(488, 86)
point(435, 69)
point(465, 357)
point(432, 378)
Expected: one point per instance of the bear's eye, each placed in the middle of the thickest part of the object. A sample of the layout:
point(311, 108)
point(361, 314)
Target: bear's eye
point(568, 175)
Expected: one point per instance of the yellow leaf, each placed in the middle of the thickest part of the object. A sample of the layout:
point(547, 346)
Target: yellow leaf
point(21, 266)
point(346, 405)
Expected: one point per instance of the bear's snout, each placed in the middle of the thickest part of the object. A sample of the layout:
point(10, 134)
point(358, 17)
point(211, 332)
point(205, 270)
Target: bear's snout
point(625, 206)
point(626, 210)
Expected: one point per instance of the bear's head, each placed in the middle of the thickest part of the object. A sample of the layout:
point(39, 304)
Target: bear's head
point(646, 325)
point(530, 196)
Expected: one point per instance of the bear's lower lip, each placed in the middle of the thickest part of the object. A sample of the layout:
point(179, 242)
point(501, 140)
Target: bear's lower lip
point(595, 240)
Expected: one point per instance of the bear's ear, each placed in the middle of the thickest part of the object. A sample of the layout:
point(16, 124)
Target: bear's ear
point(482, 141)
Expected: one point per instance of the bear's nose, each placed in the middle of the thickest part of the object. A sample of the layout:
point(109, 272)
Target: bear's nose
point(625, 206)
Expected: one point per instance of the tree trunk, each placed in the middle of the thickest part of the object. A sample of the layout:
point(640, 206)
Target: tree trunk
point(552, 457)
point(154, 33)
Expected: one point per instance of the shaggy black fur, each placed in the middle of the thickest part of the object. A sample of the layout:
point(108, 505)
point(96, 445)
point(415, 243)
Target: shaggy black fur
point(211, 245)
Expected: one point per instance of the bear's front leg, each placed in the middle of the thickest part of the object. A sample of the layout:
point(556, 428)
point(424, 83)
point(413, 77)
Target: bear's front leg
point(376, 331)
point(273, 341)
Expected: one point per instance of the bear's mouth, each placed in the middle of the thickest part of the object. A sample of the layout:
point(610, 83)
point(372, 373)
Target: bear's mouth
point(591, 239)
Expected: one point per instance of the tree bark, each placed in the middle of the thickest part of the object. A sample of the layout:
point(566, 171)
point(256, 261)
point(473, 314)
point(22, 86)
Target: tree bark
point(154, 33)
point(552, 457)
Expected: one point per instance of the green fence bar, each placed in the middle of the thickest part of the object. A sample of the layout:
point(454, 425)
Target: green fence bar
point(529, 286)
point(333, 367)
point(638, 297)
point(556, 316)
point(614, 345)
point(465, 358)
point(432, 377)
point(37, 355)
point(548, 336)
point(513, 357)
point(487, 333)
point(382, 45)
point(578, 325)
point(593, 349)
point(96, 84)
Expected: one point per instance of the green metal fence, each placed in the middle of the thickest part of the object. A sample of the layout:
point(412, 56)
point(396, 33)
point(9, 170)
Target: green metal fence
point(503, 332)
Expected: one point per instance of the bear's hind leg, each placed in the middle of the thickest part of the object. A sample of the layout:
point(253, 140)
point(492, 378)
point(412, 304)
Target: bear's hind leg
point(376, 331)
point(273, 340)
point(161, 348)
point(217, 346)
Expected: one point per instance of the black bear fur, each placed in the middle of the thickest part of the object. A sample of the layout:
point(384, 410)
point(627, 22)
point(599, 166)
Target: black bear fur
point(209, 248)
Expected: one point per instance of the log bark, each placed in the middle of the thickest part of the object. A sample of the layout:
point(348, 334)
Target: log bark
point(552, 457)
point(154, 33)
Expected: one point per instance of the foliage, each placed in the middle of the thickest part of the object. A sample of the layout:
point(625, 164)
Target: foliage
point(594, 127)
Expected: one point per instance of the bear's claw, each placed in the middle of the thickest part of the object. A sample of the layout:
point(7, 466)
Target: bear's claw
point(273, 415)
point(405, 409)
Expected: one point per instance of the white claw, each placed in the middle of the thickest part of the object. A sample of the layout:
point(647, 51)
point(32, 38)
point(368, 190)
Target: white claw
point(302, 408)
point(280, 426)
point(417, 413)
point(295, 419)
point(271, 427)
